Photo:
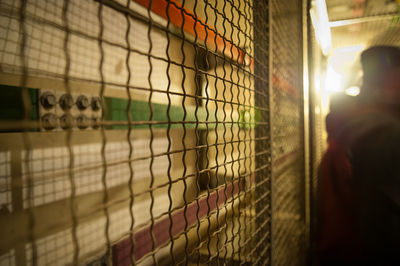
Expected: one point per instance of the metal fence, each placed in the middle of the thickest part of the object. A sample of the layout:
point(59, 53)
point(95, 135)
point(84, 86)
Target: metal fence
point(288, 186)
point(138, 132)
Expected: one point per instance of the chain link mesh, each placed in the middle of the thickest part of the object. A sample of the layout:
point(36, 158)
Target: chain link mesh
point(138, 132)
point(287, 135)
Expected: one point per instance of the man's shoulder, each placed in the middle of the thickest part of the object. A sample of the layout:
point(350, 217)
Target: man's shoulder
point(378, 125)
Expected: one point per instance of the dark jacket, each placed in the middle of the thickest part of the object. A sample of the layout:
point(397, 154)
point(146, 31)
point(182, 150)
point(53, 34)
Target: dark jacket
point(375, 157)
point(359, 191)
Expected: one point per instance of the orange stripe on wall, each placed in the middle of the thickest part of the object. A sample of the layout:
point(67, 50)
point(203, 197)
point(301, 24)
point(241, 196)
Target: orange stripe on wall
point(181, 16)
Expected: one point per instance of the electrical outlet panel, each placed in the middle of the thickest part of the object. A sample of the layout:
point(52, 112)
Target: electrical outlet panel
point(60, 110)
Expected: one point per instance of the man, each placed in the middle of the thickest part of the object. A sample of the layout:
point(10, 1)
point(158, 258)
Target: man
point(374, 141)
point(360, 173)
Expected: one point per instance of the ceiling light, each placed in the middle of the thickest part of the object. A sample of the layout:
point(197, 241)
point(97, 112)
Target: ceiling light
point(320, 21)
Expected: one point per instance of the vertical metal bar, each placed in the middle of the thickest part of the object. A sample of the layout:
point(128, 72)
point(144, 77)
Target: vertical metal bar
point(248, 183)
point(306, 125)
point(171, 251)
point(216, 128)
point(103, 135)
point(225, 141)
point(184, 131)
point(153, 240)
point(129, 139)
point(231, 126)
point(69, 137)
point(208, 179)
point(270, 140)
point(198, 163)
point(245, 129)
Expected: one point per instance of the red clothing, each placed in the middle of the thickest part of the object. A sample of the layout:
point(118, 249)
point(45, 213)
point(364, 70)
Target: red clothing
point(359, 183)
point(337, 238)
point(337, 235)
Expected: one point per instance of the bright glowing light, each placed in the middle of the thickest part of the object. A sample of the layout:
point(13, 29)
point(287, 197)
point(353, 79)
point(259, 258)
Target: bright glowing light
point(333, 80)
point(353, 91)
point(345, 60)
point(351, 49)
point(320, 21)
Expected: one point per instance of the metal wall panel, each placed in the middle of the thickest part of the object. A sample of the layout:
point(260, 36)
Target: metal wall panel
point(288, 187)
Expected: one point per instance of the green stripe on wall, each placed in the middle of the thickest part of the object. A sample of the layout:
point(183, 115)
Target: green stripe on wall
point(140, 112)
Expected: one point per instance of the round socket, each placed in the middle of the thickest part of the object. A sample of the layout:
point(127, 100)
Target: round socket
point(48, 100)
point(66, 121)
point(66, 101)
point(49, 121)
point(96, 122)
point(96, 103)
point(82, 121)
point(82, 102)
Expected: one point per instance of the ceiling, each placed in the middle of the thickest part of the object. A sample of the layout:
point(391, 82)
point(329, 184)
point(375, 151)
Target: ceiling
point(364, 22)
point(347, 9)
point(356, 25)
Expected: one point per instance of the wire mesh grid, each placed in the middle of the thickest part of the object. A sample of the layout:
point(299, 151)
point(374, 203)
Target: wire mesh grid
point(287, 133)
point(137, 132)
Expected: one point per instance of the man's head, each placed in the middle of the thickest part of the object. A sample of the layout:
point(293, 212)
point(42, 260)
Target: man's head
point(381, 66)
